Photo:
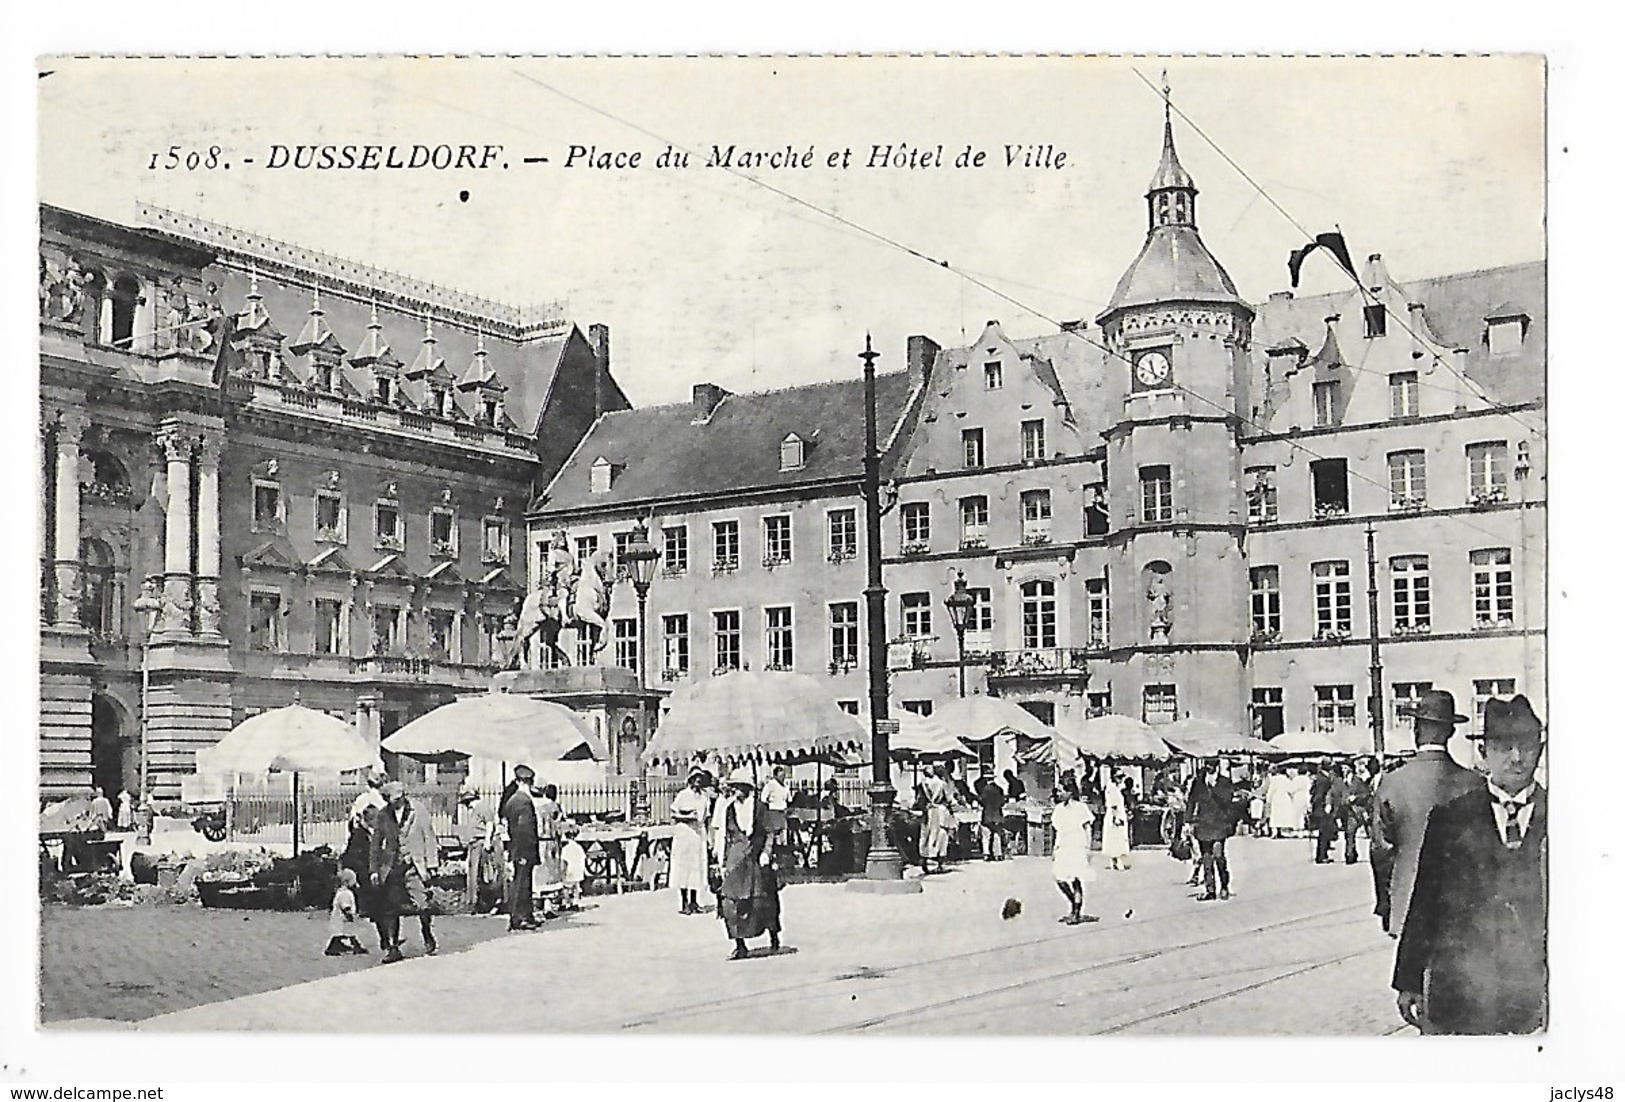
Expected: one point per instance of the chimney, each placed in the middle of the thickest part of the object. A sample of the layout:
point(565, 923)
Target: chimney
point(1280, 296)
point(598, 336)
point(707, 396)
point(922, 354)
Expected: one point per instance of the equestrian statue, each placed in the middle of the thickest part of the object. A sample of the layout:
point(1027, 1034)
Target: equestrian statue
point(571, 595)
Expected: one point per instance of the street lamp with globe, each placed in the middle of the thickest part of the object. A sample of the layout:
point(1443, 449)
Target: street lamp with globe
point(639, 557)
point(960, 605)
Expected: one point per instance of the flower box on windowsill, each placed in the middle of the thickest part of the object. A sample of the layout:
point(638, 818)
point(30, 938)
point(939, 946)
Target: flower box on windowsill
point(1413, 629)
point(1484, 623)
point(1264, 638)
point(842, 556)
point(1323, 512)
point(494, 556)
point(1408, 504)
point(842, 667)
point(1483, 499)
point(1034, 539)
point(442, 549)
point(329, 535)
point(778, 667)
point(100, 493)
point(973, 543)
point(673, 571)
point(1262, 518)
point(670, 674)
point(1331, 635)
point(724, 566)
point(772, 561)
point(389, 543)
point(916, 548)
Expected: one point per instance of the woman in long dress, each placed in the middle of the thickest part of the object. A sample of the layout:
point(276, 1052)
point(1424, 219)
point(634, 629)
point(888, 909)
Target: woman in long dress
point(1114, 841)
point(549, 834)
point(1299, 792)
point(1280, 812)
point(1073, 820)
point(936, 794)
point(749, 896)
point(690, 810)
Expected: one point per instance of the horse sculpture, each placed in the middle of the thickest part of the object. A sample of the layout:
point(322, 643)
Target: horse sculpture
point(568, 598)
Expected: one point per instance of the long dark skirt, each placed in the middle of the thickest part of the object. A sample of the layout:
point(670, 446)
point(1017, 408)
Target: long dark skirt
point(750, 892)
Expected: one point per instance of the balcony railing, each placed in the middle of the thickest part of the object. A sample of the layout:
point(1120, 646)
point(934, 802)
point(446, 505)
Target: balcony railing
point(1044, 662)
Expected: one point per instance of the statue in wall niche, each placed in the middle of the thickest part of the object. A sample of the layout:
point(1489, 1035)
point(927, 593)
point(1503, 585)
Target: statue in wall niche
point(208, 610)
point(176, 613)
point(1161, 599)
point(61, 289)
point(171, 330)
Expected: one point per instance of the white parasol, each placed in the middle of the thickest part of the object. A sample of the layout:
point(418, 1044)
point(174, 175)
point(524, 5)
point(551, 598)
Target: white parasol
point(744, 715)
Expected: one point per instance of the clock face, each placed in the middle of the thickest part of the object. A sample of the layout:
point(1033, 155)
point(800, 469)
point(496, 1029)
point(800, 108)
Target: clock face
point(1152, 368)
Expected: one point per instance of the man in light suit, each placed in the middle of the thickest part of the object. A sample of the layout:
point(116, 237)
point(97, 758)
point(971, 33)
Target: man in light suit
point(1404, 799)
point(1472, 954)
point(405, 852)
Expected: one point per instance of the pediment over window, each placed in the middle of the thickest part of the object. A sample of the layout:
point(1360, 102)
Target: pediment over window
point(446, 573)
point(331, 561)
point(270, 556)
point(391, 567)
point(500, 581)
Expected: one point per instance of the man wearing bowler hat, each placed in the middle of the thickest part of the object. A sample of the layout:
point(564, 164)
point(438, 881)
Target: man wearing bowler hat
point(1472, 953)
point(524, 849)
point(1404, 799)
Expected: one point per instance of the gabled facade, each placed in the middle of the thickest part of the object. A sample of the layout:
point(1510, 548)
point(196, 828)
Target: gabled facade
point(308, 518)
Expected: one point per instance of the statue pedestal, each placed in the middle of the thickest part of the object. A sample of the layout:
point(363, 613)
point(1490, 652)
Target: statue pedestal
point(622, 711)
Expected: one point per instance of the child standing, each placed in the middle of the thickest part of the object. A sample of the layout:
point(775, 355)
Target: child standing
point(574, 859)
point(340, 918)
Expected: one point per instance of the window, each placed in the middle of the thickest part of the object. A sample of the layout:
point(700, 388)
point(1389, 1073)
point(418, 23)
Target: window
point(1333, 599)
point(918, 707)
point(1407, 480)
point(329, 634)
point(492, 411)
point(1263, 504)
point(724, 546)
point(602, 476)
point(1506, 335)
point(725, 634)
point(1097, 517)
point(1376, 321)
point(324, 377)
point(850, 707)
point(781, 638)
point(776, 540)
point(843, 634)
point(972, 441)
point(626, 643)
point(99, 594)
point(1331, 483)
point(330, 526)
point(494, 540)
point(792, 453)
point(1487, 471)
point(1404, 394)
point(265, 621)
point(993, 375)
point(443, 643)
point(586, 548)
point(1035, 516)
point(1334, 708)
point(916, 615)
point(387, 525)
point(973, 521)
point(979, 621)
point(490, 641)
point(1032, 441)
point(1265, 582)
point(1156, 495)
point(268, 515)
point(384, 390)
point(1269, 712)
point(674, 645)
point(1038, 615)
point(674, 550)
point(1492, 587)
point(1499, 688)
point(387, 629)
point(1098, 598)
point(1326, 400)
point(623, 569)
point(1413, 603)
point(1159, 704)
point(916, 516)
point(1406, 696)
point(443, 533)
point(843, 534)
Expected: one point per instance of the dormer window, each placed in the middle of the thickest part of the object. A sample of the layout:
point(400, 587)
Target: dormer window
point(324, 377)
point(1506, 335)
point(385, 391)
point(491, 409)
point(792, 453)
point(603, 475)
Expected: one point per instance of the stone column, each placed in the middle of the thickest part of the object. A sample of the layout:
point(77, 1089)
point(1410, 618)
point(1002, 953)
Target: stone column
point(175, 618)
point(70, 430)
point(208, 534)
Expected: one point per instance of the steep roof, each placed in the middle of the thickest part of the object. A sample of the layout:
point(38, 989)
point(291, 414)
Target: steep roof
point(1173, 265)
point(663, 452)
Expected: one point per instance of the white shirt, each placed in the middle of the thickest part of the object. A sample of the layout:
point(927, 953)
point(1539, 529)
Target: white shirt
point(1526, 810)
point(775, 796)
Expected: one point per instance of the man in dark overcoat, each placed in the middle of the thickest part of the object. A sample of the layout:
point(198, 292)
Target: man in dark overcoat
point(1211, 810)
point(1404, 799)
point(1472, 952)
point(524, 849)
point(402, 858)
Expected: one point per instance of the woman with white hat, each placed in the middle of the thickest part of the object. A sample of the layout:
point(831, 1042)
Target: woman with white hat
point(749, 896)
point(690, 809)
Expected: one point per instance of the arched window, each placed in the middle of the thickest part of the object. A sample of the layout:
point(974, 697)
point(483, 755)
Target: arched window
point(1038, 615)
point(98, 604)
point(103, 479)
point(126, 296)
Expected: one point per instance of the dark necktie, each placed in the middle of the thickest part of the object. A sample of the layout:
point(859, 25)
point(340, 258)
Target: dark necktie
point(1514, 832)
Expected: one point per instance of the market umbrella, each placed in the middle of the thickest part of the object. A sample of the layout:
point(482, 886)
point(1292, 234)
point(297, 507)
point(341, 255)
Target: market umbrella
point(1206, 738)
point(1306, 743)
point(502, 727)
point(293, 740)
point(920, 736)
point(1111, 737)
point(746, 715)
point(979, 718)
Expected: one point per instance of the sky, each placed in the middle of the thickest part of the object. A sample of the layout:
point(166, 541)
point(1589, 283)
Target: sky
point(705, 275)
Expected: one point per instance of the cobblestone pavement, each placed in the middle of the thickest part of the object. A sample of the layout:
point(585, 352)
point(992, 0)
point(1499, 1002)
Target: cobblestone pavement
point(1296, 951)
point(129, 963)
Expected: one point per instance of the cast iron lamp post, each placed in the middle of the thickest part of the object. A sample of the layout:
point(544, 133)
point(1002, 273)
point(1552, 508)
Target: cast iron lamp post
point(960, 605)
point(640, 557)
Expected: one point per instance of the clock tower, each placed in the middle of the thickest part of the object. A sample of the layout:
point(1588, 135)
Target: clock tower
point(1177, 372)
